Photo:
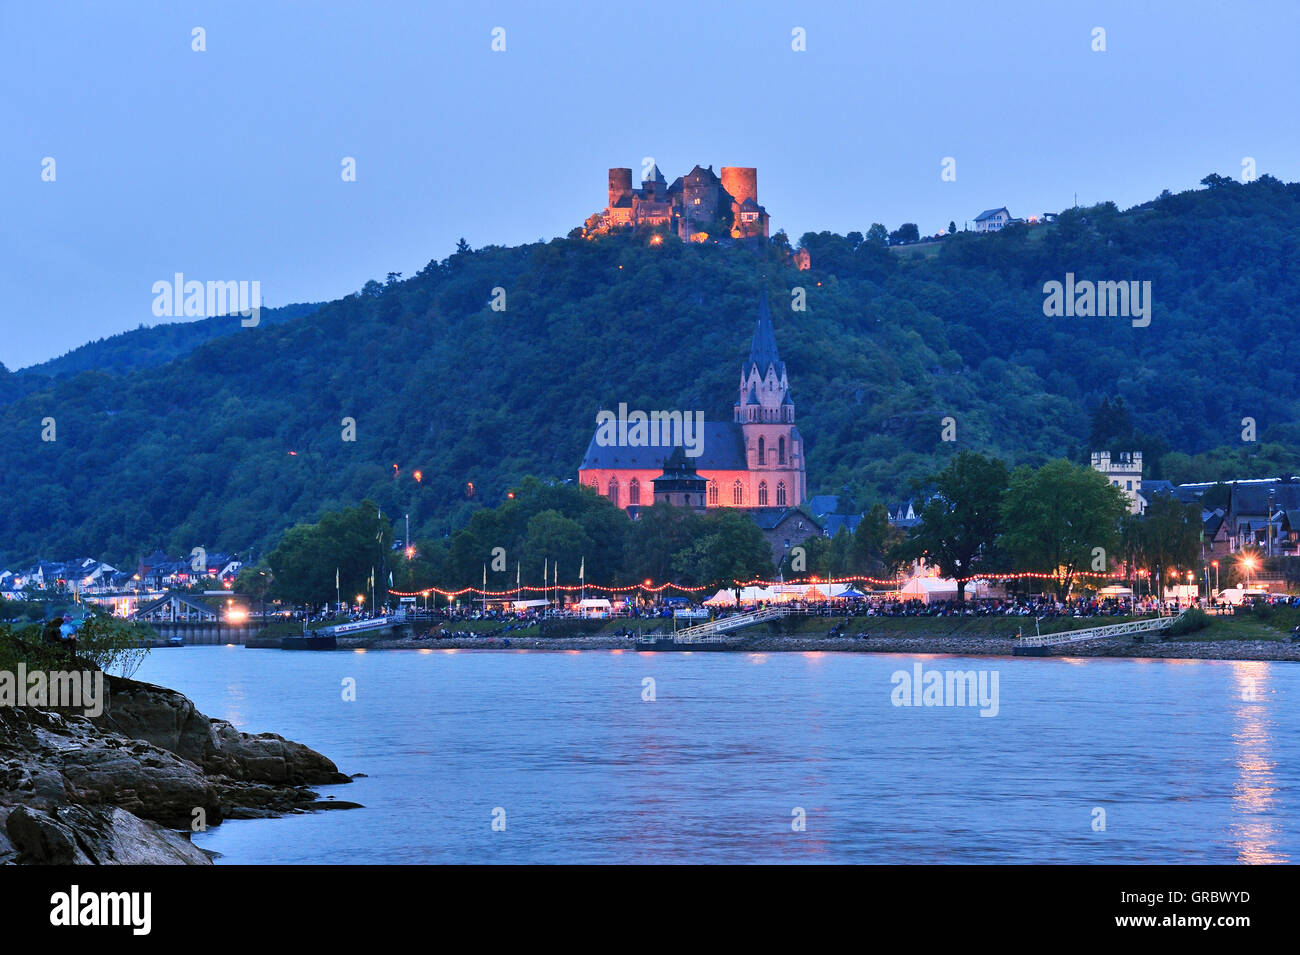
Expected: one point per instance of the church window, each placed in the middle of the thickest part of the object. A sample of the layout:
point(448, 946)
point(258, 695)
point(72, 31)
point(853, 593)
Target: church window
point(713, 493)
point(761, 453)
point(737, 494)
point(634, 492)
point(780, 494)
point(762, 494)
point(780, 452)
point(613, 490)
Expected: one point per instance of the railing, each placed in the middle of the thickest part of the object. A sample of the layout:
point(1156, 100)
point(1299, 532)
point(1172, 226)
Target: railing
point(700, 632)
point(1148, 625)
point(360, 626)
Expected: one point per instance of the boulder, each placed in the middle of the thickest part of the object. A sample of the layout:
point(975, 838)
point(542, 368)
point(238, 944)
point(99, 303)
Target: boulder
point(96, 835)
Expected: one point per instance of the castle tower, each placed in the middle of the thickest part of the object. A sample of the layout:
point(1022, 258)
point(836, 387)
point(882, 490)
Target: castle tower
point(741, 182)
point(620, 185)
point(765, 413)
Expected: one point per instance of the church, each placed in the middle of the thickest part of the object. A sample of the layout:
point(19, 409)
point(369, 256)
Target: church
point(756, 460)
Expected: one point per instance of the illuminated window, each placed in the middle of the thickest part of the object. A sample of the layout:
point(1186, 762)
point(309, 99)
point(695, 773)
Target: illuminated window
point(762, 494)
point(780, 494)
point(737, 494)
point(634, 492)
point(713, 493)
point(613, 490)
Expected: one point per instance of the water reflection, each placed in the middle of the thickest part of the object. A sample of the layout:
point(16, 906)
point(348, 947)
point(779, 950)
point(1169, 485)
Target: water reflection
point(1254, 792)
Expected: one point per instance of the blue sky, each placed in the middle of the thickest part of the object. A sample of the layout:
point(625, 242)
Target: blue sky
point(225, 164)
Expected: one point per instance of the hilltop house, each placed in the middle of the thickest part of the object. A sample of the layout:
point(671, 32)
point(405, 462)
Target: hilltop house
point(992, 220)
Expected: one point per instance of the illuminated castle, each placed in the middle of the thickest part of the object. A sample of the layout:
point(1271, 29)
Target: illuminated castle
point(697, 206)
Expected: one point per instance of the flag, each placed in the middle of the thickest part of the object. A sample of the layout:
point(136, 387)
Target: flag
point(336, 578)
point(390, 578)
point(517, 571)
point(582, 571)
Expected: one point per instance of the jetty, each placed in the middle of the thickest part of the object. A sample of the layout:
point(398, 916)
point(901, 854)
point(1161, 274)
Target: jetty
point(717, 634)
point(1038, 644)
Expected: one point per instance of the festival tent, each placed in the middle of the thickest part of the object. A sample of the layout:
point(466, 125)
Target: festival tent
point(849, 591)
point(1115, 590)
point(593, 606)
point(927, 589)
point(525, 604)
point(748, 595)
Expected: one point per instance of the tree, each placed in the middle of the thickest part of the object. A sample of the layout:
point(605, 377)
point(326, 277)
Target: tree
point(1056, 518)
point(1167, 536)
point(729, 548)
point(962, 520)
point(905, 233)
point(462, 246)
point(952, 228)
point(354, 541)
point(877, 235)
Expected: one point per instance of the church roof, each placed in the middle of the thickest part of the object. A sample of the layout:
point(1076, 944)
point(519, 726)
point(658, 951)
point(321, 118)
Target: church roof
point(722, 448)
point(763, 350)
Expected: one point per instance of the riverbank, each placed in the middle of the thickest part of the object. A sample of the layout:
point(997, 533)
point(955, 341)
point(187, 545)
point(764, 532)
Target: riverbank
point(129, 785)
point(1122, 647)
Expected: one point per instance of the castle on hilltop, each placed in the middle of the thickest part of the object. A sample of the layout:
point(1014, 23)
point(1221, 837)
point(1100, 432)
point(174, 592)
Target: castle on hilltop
point(698, 206)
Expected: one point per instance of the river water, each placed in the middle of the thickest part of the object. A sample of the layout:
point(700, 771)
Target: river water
point(564, 757)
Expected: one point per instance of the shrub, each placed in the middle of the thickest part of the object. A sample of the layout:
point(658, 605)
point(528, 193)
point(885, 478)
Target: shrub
point(1191, 621)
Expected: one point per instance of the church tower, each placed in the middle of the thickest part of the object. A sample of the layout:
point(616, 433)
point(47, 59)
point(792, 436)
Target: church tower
point(765, 413)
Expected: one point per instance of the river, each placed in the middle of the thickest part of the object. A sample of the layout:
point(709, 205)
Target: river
point(572, 757)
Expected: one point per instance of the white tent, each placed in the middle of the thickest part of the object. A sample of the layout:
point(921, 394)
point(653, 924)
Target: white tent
point(1115, 590)
point(525, 604)
point(927, 589)
point(748, 595)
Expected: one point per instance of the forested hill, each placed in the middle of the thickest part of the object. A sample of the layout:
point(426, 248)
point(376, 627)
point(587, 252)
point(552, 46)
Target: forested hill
point(243, 436)
point(141, 347)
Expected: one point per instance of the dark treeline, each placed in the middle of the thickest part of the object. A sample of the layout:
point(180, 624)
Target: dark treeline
point(243, 436)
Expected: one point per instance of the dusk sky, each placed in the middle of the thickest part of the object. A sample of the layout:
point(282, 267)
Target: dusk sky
point(225, 164)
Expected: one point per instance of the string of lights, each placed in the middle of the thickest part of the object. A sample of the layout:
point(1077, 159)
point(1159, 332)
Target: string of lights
point(895, 584)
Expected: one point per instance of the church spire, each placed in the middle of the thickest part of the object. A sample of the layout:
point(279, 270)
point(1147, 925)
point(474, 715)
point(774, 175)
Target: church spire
point(763, 350)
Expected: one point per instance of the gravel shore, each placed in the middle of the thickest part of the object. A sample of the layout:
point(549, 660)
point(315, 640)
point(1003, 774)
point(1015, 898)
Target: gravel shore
point(957, 646)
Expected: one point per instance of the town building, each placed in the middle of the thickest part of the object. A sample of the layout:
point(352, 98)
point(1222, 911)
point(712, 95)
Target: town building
point(1125, 472)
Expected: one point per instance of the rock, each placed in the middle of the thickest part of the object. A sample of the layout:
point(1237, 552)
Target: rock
point(96, 835)
point(75, 790)
point(47, 759)
point(171, 721)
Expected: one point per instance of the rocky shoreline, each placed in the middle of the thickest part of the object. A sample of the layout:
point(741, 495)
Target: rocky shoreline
point(946, 645)
point(128, 786)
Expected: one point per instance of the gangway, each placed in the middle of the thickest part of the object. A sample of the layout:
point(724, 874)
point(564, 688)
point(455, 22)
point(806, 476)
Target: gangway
point(1039, 642)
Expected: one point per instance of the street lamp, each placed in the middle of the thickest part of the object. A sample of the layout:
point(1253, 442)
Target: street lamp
point(1215, 565)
